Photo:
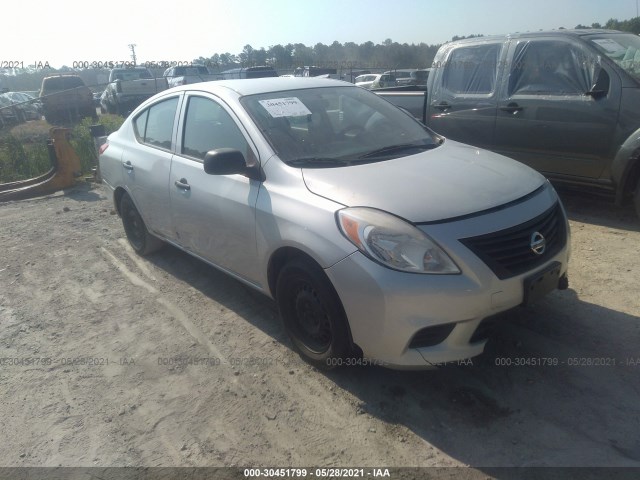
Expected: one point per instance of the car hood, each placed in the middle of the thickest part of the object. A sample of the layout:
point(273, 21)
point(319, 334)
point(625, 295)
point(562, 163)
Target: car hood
point(449, 181)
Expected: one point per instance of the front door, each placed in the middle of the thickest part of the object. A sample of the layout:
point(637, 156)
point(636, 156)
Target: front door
point(213, 215)
point(545, 117)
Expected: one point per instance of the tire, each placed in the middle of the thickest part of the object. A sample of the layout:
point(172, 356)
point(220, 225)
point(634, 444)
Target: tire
point(139, 237)
point(312, 314)
point(636, 198)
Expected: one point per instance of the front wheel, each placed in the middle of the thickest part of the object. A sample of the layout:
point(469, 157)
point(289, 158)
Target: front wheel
point(312, 314)
point(139, 237)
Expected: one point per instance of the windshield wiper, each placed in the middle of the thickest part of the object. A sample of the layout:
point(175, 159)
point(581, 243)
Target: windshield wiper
point(388, 150)
point(311, 162)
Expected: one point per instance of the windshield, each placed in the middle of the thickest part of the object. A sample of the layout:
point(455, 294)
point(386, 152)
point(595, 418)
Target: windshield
point(335, 126)
point(624, 49)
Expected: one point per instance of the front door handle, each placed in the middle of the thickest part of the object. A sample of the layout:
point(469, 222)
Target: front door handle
point(442, 106)
point(127, 165)
point(512, 107)
point(182, 183)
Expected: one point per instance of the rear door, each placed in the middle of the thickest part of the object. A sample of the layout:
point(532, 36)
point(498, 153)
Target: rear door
point(545, 119)
point(146, 167)
point(464, 92)
point(214, 215)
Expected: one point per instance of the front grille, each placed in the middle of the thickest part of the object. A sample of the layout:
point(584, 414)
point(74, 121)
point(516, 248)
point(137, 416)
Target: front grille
point(508, 252)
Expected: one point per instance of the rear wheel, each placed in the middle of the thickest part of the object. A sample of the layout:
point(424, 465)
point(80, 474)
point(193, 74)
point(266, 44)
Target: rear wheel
point(312, 314)
point(139, 237)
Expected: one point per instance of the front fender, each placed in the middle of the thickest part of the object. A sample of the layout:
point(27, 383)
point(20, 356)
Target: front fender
point(624, 165)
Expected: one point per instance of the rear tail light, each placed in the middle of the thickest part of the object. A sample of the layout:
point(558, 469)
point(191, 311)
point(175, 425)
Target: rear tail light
point(103, 148)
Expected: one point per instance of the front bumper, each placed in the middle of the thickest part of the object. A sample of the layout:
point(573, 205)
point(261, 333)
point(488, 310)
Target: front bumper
point(387, 308)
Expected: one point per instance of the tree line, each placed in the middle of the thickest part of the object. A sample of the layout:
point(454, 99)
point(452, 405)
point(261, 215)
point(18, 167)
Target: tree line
point(388, 54)
point(632, 25)
point(285, 58)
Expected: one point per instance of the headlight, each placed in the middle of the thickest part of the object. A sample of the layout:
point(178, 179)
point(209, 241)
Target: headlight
point(393, 242)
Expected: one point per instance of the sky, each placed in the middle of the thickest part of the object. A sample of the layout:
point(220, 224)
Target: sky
point(66, 31)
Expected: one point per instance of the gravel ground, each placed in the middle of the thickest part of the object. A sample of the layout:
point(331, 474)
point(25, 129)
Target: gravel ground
point(105, 334)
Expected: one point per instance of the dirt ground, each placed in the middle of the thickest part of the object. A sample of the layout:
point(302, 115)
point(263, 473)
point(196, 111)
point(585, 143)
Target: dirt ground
point(95, 345)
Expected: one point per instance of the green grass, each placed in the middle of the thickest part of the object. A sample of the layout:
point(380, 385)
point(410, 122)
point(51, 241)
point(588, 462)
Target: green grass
point(82, 141)
point(23, 149)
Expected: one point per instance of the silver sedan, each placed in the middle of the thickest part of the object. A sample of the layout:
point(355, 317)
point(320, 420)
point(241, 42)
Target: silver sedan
point(381, 241)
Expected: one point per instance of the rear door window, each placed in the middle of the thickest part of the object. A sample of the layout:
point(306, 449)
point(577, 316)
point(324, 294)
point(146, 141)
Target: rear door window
point(472, 69)
point(154, 126)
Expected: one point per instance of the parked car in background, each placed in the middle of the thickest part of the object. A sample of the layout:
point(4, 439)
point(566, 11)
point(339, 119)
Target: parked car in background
point(66, 98)
point(350, 75)
point(249, 72)
point(419, 77)
point(128, 88)
point(25, 107)
point(374, 81)
point(402, 75)
point(8, 112)
point(410, 76)
point(565, 102)
point(381, 241)
point(184, 75)
point(316, 72)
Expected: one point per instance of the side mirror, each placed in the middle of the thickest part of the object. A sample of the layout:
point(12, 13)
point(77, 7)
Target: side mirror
point(224, 161)
point(601, 87)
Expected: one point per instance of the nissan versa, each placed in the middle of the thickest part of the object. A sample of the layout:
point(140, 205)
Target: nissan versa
point(378, 238)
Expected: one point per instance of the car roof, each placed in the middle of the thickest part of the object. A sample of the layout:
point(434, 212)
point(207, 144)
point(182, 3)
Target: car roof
point(581, 32)
point(252, 86)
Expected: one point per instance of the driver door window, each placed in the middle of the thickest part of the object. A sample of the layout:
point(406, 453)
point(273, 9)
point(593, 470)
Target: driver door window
point(207, 127)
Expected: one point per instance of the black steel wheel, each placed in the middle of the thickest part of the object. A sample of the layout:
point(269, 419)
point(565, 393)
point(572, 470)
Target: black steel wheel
point(139, 237)
point(312, 314)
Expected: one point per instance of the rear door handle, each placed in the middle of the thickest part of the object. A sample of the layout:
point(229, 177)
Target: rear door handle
point(441, 106)
point(182, 183)
point(127, 165)
point(513, 107)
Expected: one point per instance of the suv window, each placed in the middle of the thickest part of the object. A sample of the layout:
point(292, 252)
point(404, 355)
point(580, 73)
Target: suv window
point(208, 126)
point(154, 126)
point(551, 67)
point(472, 69)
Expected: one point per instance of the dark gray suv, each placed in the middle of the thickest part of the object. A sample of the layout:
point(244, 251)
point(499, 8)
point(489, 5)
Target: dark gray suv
point(566, 103)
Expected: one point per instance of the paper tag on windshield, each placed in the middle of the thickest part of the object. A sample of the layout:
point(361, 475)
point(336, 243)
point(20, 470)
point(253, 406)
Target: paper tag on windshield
point(285, 107)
